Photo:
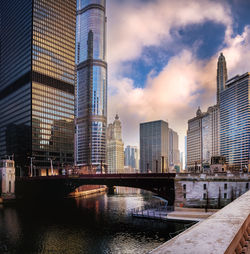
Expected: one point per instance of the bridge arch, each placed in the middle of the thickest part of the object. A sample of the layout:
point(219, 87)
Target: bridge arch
point(61, 186)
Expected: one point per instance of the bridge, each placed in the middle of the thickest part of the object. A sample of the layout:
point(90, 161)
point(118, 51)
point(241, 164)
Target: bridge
point(51, 187)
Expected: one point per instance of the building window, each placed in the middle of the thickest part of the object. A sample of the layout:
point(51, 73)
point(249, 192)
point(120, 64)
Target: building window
point(225, 186)
point(247, 186)
point(204, 195)
point(204, 186)
point(184, 195)
point(225, 195)
point(184, 186)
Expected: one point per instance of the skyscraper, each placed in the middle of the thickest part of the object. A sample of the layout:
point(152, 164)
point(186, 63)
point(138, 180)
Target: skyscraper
point(202, 138)
point(37, 82)
point(194, 142)
point(115, 147)
point(174, 153)
point(221, 75)
point(132, 157)
point(91, 90)
point(154, 146)
point(235, 122)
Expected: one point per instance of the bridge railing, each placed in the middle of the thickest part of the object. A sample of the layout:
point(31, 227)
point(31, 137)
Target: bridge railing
point(124, 175)
point(227, 231)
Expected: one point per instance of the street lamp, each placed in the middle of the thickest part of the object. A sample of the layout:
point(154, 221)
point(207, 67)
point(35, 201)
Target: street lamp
point(51, 166)
point(31, 165)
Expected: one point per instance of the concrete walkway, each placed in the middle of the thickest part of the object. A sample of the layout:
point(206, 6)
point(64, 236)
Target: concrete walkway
point(227, 231)
point(180, 214)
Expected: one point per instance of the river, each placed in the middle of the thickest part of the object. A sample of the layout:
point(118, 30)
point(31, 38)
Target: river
point(95, 224)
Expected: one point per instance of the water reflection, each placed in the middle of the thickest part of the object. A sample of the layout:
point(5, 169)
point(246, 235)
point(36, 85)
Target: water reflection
point(96, 224)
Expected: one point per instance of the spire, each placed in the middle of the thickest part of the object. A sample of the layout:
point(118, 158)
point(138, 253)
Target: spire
point(198, 112)
point(221, 75)
point(116, 117)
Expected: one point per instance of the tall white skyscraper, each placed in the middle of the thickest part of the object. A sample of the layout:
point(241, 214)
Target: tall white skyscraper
point(115, 147)
point(221, 75)
point(203, 138)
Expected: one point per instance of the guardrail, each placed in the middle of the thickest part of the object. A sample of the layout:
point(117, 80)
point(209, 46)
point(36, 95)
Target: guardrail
point(227, 231)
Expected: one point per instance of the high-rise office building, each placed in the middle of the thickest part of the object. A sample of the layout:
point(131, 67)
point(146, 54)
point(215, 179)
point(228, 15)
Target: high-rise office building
point(194, 142)
point(182, 161)
point(173, 149)
point(202, 138)
point(235, 122)
point(154, 146)
point(115, 147)
point(210, 134)
point(131, 155)
point(91, 89)
point(37, 82)
point(185, 144)
point(221, 75)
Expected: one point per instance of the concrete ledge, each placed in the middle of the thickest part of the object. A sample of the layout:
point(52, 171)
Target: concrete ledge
point(223, 232)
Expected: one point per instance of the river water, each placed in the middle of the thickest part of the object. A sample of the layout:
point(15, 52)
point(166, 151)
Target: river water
point(95, 224)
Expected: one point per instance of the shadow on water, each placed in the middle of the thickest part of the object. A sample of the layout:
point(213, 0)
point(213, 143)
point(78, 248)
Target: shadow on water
point(97, 224)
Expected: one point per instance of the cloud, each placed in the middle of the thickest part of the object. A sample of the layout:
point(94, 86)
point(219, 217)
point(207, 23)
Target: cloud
point(186, 81)
point(134, 24)
point(237, 53)
point(168, 96)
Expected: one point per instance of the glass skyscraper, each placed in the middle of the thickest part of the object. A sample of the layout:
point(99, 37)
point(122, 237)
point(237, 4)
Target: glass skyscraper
point(154, 147)
point(235, 122)
point(37, 82)
point(91, 89)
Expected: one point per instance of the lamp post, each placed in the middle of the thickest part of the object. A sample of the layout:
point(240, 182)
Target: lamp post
point(51, 166)
point(31, 165)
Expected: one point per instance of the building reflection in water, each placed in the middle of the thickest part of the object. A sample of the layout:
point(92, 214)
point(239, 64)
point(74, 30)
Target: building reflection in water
point(10, 222)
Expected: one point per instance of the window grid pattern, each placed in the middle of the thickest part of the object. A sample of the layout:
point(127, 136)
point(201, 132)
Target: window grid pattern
point(54, 39)
point(235, 123)
point(91, 89)
point(52, 125)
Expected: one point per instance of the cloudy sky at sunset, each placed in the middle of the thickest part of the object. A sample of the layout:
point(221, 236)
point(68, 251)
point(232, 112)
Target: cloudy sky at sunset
point(162, 58)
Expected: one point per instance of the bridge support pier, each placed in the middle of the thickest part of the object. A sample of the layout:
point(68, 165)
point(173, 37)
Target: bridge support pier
point(111, 190)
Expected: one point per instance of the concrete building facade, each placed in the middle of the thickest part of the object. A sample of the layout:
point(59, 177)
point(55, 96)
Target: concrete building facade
point(7, 178)
point(203, 138)
point(194, 142)
point(221, 75)
point(214, 190)
point(115, 147)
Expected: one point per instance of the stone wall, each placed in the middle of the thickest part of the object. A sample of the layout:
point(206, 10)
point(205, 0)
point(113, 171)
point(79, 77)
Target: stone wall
point(212, 191)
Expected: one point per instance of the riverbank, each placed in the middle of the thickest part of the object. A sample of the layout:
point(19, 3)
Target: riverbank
point(180, 214)
point(7, 199)
point(83, 193)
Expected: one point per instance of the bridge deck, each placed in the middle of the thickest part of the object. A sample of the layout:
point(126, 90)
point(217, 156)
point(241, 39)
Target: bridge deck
point(103, 176)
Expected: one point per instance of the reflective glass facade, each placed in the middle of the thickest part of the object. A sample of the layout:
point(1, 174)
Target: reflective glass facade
point(91, 90)
point(235, 122)
point(154, 146)
point(37, 100)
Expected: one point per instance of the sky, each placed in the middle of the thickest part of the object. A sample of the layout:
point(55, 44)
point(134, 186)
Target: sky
point(162, 58)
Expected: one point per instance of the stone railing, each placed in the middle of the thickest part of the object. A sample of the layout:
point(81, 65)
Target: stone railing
point(227, 231)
